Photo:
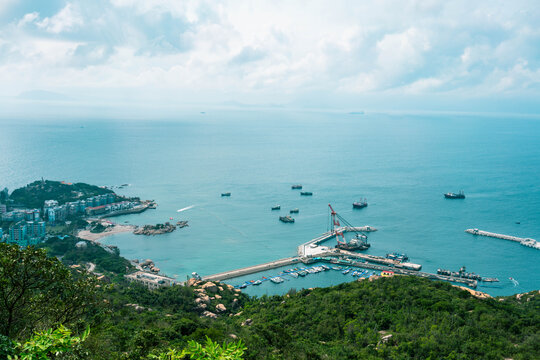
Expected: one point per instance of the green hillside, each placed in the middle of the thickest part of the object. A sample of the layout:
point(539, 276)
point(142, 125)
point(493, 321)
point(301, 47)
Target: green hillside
point(33, 195)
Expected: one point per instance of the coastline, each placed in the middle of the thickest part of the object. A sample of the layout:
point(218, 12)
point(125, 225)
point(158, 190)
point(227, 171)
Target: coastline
point(116, 229)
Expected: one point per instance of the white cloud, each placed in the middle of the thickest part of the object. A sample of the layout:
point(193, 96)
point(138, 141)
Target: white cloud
point(241, 48)
point(66, 20)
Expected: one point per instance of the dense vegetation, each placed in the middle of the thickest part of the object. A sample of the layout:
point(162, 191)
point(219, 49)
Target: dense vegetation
point(106, 260)
point(389, 318)
point(33, 195)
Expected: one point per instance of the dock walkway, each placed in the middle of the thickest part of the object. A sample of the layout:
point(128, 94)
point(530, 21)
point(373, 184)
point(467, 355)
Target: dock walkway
point(523, 241)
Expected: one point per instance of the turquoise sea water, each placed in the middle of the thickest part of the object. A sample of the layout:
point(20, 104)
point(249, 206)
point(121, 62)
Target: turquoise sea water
point(401, 163)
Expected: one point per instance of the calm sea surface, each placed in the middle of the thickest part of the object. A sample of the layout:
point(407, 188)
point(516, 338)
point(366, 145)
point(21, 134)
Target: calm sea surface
point(401, 163)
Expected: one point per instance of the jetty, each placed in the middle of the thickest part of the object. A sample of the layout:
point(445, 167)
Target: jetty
point(532, 243)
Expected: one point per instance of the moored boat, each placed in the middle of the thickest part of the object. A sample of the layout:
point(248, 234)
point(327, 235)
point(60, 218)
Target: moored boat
point(294, 211)
point(257, 282)
point(296, 187)
point(226, 194)
point(306, 193)
point(276, 207)
point(286, 219)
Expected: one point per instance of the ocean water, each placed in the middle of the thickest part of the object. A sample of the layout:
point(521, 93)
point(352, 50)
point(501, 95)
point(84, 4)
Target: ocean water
point(401, 163)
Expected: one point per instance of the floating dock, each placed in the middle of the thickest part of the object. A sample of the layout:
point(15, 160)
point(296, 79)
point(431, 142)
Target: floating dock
point(523, 241)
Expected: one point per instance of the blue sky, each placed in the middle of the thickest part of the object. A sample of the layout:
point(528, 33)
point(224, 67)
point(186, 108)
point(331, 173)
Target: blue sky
point(169, 54)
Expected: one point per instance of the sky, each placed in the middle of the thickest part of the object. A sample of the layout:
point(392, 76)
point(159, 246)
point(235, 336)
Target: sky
point(158, 56)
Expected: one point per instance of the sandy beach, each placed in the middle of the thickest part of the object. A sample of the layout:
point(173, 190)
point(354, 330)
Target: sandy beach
point(116, 229)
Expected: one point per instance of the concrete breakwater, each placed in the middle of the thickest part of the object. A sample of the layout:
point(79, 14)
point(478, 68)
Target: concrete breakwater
point(523, 241)
point(251, 269)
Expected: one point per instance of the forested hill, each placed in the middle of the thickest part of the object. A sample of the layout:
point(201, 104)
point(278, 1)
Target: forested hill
point(392, 318)
point(388, 318)
point(33, 195)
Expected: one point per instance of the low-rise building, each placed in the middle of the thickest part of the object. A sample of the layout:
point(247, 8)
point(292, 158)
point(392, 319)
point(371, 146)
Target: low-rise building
point(152, 281)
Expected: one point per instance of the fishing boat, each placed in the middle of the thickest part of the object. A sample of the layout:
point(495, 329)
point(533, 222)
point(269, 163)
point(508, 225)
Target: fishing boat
point(276, 207)
point(306, 193)
point(397, 256)
point(337, 268)
point(360, 204)
point(302, 273)
point(346, 271)
point(286, 219)
point(277, 280)
point(226, 194)
point(296, 187)
point(294, 275)
point(294, 211)
point(257, 282)
point(325, 268)
point(451, 195)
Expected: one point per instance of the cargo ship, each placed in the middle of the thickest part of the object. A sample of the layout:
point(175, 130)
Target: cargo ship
point(459, 195)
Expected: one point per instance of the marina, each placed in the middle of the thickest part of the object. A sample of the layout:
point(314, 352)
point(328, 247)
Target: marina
point(532, 243)
point(313, 251)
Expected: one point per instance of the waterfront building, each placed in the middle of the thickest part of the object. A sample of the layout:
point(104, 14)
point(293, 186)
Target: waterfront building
point(110, 198)
point(51, 215)
point(50, 204)
point(1, 234)
point(151, 281)
point(36, 229)
point(17, 233)
point(32, 215)
point(14, 216)
point(3, 209)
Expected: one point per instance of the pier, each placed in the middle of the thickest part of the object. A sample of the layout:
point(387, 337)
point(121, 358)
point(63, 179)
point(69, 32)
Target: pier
point(251, 269)
point(313, 251)
point(523, 241)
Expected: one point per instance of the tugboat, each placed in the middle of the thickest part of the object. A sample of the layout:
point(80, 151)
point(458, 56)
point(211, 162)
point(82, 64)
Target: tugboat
point(226, 194)
point(277, 207)
point(459, 195)
point(358, 243)
point(296, 187)
point(359, 204)
point(286, 219)
point(294, 211)
point(306, 193)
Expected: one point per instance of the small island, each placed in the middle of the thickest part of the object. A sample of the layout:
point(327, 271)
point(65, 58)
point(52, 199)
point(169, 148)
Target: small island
point(157, 229)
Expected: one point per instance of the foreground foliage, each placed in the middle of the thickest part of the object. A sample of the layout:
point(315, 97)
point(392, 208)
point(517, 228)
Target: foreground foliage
point(389, 318)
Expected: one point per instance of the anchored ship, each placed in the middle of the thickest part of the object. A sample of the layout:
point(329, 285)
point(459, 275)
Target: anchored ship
point(360, 204)
point(286, 219)
point(296, 187)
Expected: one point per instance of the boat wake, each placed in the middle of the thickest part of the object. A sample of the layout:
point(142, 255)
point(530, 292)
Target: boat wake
point(514, 281)
point(186, 208)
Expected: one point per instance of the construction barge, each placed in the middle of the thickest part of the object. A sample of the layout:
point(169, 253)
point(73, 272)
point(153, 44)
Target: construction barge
point(532, 243)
